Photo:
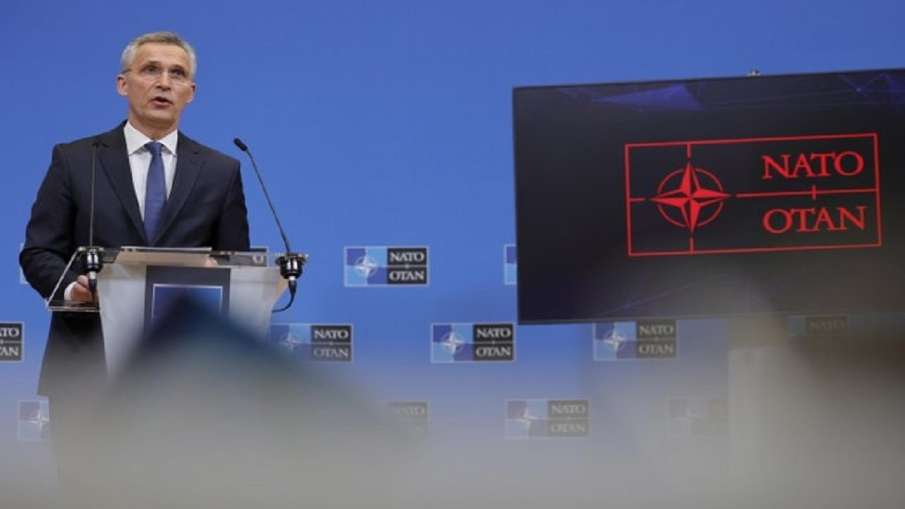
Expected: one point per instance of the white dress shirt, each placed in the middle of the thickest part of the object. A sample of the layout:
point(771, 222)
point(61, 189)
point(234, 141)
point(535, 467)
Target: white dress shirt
point(139, 163)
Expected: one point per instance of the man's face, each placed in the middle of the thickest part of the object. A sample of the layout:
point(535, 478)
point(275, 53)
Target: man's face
point(158, 86)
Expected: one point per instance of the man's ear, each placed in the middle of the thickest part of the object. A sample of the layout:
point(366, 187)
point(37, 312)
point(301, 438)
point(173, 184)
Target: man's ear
point(121, 85)
point(192, 97)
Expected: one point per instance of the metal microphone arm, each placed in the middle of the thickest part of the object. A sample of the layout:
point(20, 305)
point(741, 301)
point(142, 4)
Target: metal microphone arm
point(291, 264)
point(94, 255)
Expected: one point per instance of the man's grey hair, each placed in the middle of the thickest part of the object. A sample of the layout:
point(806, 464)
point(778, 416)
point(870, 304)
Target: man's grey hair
point(162, 37)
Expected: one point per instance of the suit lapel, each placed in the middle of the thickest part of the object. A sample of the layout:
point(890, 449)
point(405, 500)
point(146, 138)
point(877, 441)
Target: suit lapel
point(115, 162)
point(188, 167)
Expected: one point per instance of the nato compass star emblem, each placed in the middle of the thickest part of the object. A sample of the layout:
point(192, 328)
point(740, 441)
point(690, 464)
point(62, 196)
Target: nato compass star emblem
point(528, 417)
point(615, 340)
point(452, 343)
point(34, 421)
point(690, 197)
point(291, 343)
point(37, 418)
point(365, 266)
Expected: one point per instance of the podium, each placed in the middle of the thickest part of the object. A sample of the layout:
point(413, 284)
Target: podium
point(137, 284)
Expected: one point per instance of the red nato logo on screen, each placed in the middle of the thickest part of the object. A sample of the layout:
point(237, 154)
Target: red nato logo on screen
point(786, 193)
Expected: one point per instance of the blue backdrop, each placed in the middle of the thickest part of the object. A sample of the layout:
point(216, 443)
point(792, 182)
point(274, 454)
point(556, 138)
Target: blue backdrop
point(389, 124)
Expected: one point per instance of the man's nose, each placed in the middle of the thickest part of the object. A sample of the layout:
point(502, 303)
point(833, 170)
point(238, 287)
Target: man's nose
point(164, 81)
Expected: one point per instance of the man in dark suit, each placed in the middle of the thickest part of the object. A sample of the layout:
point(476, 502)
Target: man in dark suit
point(154, 187)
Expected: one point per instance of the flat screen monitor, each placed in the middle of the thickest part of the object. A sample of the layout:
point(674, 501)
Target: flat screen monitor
point(708, 197)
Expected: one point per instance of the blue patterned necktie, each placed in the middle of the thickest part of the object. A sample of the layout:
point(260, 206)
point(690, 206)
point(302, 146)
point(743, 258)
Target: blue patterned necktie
point(156, 192)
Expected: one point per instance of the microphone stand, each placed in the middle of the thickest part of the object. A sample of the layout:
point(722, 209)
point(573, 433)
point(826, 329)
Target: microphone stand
point(291, 263)
point(94, 255)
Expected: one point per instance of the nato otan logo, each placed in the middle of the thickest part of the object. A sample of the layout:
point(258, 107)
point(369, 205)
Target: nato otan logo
point(34, 421)
point(547, 418)
point(472, 342)
point(644, 339)
point(11, 339)
point(826, 325)
point(386, 266)
point(818, 326)
point(510, 265)
point(314, 342)
point(413, 416)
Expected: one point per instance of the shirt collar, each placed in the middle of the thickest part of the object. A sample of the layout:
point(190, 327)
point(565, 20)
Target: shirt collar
point(136, 140)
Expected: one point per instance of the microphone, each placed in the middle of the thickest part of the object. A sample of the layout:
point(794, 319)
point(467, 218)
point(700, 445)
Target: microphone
point(93, 254)
point(290, 263)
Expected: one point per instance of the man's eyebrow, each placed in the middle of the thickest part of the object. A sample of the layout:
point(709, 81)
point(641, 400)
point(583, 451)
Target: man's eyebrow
point(160, 64)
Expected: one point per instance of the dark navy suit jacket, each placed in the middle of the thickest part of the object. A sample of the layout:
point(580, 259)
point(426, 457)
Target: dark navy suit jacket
point(206, 207)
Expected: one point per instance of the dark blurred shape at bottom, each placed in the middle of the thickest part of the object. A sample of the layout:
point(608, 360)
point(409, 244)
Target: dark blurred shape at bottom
point(208, 416)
